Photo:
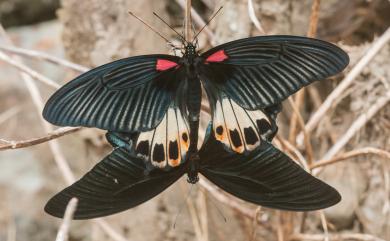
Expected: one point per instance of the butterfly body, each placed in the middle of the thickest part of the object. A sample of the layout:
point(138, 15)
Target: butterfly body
point(151, 107)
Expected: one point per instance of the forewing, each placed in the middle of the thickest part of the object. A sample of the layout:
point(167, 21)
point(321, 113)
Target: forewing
point(127, 95)
point(259, 72)
point(265, 176)
point(119, 182)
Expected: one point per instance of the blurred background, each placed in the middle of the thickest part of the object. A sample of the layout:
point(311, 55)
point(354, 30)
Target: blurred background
point(351, 139)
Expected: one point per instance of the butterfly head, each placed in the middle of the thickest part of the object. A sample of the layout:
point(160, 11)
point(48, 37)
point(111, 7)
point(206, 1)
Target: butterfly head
point(190, 49)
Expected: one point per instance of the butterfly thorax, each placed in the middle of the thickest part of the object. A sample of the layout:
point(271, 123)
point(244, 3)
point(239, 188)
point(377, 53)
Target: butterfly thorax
point(191, 60)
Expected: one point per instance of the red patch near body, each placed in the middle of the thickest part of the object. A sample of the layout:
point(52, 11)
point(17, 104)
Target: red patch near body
point(218, 56)
point(163, 64)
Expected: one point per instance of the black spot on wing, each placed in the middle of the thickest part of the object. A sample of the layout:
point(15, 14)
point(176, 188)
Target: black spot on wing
point(143, 148)
point(250, 136)
point(263, 126)
point(158, 153)
point(173, 150)
point(184, 136)
point(235, 137)
point(219, 130)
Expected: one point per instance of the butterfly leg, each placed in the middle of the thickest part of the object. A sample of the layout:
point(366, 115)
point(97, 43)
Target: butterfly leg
point(272, 114)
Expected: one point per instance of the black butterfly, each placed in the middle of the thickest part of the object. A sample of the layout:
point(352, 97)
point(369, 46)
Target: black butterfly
point(151, 107)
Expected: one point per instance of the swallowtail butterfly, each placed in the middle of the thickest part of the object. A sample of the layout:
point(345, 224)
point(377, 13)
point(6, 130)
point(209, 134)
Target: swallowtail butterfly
point(151, 107)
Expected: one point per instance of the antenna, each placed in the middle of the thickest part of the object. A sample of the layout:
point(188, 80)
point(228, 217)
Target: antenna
point(182, 205)
point(153, 29)
point(162, 20)
point(212, 17)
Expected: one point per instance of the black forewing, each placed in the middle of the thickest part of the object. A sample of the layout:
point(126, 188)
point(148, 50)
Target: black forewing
point(266, 177)
point(263, 71)
point(127, 95)
point(117, 183)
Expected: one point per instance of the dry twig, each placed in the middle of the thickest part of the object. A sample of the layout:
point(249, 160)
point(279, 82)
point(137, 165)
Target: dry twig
point(253, 18)
point(335, 237)
point(32, 73)
point(198, 20)
point(43, 56)
point(357, 125)
point(354, 153)
point(8, 114)
point(308, 147)
point(300, 96)
point(62, 234)
point(53, 144)
point(39, 140)
point(345, 83)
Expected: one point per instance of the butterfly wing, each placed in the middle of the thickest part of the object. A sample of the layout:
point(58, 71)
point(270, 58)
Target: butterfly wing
point(127, 95)
point(265, 176)
point(117, 183)
point(259, 72)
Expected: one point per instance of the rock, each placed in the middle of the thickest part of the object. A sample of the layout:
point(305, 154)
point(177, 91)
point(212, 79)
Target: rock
point(109, 32)
point(22, 12)
point(350, 181)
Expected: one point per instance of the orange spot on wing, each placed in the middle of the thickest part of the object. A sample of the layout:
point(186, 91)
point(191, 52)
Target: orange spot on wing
point(174, 162)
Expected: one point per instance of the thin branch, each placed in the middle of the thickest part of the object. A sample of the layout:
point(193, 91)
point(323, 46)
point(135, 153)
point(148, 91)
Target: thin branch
point(364, 151)
point(357, 125)
point(253, 18)
point(345, 83)
point(28, 77)
point(254, 223)
point(112, 233)
point(292, 149)
point(187, 21)
point(43, 56)
point(335, 237)
point(32, 73)
point(198, 21)
point(62, 234)
point(315, 8)
point(308, 147)
point(300, 96)
point(39, 140)
point(54, 145)
point(223, 198)
point(8, 114)
point(324, 225)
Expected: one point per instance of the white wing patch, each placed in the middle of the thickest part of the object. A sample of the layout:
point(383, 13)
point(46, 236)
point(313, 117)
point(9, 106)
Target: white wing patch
point(168, 143)
point(237, 128)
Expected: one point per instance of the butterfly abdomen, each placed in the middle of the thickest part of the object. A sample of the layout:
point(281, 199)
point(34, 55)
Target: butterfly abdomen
point(194, 103)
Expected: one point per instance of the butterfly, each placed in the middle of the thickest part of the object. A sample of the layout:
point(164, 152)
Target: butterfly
point(151, 107)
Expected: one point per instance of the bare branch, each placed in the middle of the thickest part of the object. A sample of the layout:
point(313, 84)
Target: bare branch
point(357, 125)
point(344, 84)
point(308, 147)
point(324, 225)
point(198, 20)
point(54, 145)
point(8, 114)
point(43, 56)
point(300, 96)
point(39, 140)
point(232, 203)
point(32, 73)
point(335, 237)
point(253, 18)
point(62, 234)
point(364, 151)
